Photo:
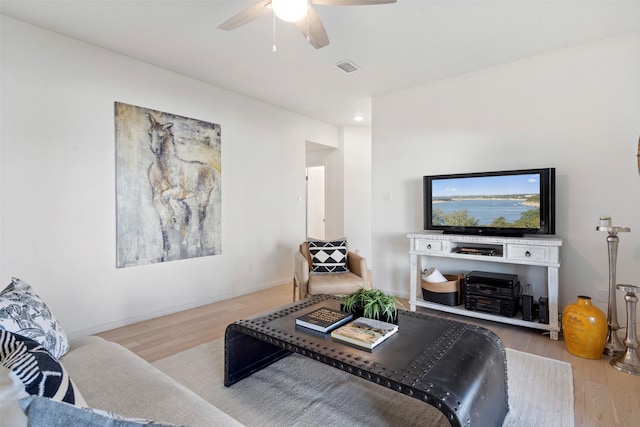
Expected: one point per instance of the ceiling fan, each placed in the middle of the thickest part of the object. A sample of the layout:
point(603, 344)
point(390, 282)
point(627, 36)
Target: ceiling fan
point(299, 11)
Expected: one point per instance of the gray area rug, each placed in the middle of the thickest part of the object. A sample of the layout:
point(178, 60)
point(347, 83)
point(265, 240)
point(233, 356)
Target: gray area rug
point(540, 392)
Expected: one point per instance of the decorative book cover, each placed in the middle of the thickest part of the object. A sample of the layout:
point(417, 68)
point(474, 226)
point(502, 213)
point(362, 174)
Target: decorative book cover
point(365, 332)
point(324, 319)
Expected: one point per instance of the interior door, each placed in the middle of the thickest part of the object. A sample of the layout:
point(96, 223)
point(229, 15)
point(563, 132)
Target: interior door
point(316, 202)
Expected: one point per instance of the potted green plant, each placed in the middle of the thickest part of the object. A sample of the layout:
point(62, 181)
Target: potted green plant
point(372, 303)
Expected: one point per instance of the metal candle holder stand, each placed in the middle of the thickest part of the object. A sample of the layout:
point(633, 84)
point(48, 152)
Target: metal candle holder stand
point(629, 361)
point(613, 345)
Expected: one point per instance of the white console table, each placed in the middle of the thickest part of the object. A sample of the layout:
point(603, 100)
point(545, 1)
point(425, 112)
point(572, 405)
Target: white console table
point(536, 251)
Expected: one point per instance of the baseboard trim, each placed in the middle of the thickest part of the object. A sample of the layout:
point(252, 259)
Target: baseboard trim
point(80, 333)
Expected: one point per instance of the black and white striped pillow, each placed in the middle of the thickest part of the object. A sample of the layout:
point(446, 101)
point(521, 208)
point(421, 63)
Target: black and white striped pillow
point(40, 372)
point(328, 256)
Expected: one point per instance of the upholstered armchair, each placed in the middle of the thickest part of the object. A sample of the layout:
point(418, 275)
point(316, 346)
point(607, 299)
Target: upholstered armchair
point(311, 278)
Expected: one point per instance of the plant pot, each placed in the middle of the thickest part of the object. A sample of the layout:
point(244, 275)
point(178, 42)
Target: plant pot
point(585, 328)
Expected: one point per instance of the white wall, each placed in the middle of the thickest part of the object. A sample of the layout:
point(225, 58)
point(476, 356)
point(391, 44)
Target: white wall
point(334, 209)
point(357, 188)
point(577, 110)
point(57, 194)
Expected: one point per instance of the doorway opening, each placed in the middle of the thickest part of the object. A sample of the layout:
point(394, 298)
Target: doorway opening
point(316, 199)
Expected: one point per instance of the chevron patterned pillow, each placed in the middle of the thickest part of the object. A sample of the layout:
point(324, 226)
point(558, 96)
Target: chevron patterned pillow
point(328, 256)
point(36, 368)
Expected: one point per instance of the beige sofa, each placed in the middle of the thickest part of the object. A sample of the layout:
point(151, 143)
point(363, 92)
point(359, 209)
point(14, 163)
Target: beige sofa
point(114, 379)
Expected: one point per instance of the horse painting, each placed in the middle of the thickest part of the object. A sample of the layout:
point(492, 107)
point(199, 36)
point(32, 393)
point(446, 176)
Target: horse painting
point(168, 186)
point(179, 187)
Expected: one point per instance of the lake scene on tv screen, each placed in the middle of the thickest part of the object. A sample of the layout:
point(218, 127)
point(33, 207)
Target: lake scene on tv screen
point(505, 201)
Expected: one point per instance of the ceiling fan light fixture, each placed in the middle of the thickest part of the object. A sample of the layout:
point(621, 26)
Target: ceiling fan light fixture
point(290, 10)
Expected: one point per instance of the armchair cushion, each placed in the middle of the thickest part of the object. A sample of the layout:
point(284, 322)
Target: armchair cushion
point(335, 283)
point(328, 256)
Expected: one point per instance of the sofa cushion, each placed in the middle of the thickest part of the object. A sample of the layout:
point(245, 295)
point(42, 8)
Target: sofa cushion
point(11, 391)
point(25, 313)
point(40, 373)
point(328, 256)
point(43, 412)
point(113, 378)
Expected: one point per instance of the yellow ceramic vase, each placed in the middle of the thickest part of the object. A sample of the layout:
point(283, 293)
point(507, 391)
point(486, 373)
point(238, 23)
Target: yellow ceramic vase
point(585, 328)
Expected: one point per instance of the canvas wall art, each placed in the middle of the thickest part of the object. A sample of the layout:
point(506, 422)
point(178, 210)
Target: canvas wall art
point(168, 186)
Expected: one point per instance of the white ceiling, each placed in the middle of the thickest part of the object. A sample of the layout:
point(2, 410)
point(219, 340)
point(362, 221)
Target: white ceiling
point(396, 46)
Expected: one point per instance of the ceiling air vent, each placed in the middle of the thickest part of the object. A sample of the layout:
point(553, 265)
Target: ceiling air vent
point(347, 66)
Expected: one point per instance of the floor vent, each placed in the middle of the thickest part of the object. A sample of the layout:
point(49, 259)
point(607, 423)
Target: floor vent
point(347, 66)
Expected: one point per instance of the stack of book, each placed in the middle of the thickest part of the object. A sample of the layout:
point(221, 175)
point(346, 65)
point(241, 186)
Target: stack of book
point(363, 332)
point(324, 319)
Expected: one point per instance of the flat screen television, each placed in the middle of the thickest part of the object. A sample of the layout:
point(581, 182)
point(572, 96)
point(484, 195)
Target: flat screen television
point(500, 203)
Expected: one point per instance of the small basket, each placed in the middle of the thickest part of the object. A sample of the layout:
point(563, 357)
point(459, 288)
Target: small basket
point(447, 293)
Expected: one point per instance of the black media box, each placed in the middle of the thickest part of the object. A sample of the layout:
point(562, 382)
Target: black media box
point(501, 280)
point(503, 307)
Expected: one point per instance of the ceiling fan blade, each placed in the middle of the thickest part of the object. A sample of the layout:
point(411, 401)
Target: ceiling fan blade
point(247, 15)
point(313, 29)
point(350, 2)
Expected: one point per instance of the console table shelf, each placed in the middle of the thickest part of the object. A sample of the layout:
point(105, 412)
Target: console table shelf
point(531, 251)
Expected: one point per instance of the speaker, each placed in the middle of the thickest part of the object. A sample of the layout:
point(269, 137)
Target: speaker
point(527, 308)
point(543, 308)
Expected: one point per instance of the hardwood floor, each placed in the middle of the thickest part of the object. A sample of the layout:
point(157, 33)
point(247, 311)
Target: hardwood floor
point(603, 396)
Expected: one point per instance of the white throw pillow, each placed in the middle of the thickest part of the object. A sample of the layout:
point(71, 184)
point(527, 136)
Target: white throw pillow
point(25, 313)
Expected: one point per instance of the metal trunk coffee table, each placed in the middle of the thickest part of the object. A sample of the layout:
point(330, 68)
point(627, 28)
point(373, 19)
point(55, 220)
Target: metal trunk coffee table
point(458, 368)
